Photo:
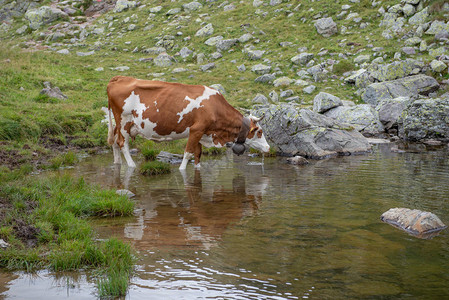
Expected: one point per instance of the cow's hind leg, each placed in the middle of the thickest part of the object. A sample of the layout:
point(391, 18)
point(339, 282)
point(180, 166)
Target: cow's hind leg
point(126, 153)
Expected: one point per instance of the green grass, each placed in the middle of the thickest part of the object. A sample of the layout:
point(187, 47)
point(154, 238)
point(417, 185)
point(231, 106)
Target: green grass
point(155, 168)
point(54, 214)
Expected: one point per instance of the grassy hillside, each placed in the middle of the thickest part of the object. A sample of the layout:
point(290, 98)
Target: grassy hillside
point(33, 126)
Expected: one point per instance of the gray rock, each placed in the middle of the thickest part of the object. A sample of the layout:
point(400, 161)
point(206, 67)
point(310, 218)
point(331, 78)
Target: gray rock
point(326, 27)
point(437, 52)
point(219, 88)
point(297, 160)
point(216, 55)
point(260, 99)
point(286, 93)
point(52, 92)
point(352, 79)
point(405, 87)
point(390, 110)
point(229, 7)
point(185, 52)
point(43, 15)
point(63, 51)
point(254, 54)
point(173, 11)
point(438, 66)
point(192, 6)
point(261, 69)
point(408, 50)
point(125, 192)
point(421, 224)
point(3, 244)
point(85, 53)
point(438, 26)
point(408, 10)
point(225, 45)
point(122, 5)
point(425, 119)
point(205, 31)
point(169, 157)
point(282, 81)
point(245, 38)
point(318, 73)
point(163, 60)
point(295, 131)
point(309, 89)
point(241, 68)
point(120, 68)
point(325, 101)
point(266, 78)
point(257, 3)
point(397, 69)
point(302, 58)
point(274, 96)
point(362, 117)
point(362, 59)
point(22, 29)
point(213, 40)
point(207, 67)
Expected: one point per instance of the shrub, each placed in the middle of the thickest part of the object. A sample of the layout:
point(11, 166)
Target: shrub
point(342, 67)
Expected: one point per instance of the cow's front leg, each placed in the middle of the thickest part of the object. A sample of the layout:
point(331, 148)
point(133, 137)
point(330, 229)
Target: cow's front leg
point(193, 149)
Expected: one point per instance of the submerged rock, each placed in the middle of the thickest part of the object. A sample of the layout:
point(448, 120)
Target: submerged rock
point(421, 224)
point(169, 157)
point(297, 160)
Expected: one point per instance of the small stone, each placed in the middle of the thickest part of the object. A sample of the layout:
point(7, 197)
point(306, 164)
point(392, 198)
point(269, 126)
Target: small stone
point(309, 89)
point(261, 69)
point(265, 78)
point(63, 51)
point(283, 81)
point(124, 192)
point(207, 67)
point(326, 27)
point(219, 88)
point(297, 160)
point(205, 31)
point(260, 99)
point(241, 68)
point(3, 244)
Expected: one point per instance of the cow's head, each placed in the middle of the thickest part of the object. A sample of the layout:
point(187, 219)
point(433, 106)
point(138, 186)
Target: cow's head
point(254, 138)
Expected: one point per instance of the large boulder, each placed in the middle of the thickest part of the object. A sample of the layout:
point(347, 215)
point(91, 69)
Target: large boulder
point(395, 70)
point(122, 5)
point(43, 15)
point(421, 224)
point(425, 119)
point(411, 86)
point(10, 9)
point(390, 110)
point(293, 131)
point(362, 117)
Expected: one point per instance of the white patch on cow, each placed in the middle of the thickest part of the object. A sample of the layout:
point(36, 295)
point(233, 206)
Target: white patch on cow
point(258, 143)
point(208, 141)
point(196, 103)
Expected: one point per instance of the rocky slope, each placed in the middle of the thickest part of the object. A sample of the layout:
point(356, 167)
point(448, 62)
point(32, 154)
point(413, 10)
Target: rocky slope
point(388, 58)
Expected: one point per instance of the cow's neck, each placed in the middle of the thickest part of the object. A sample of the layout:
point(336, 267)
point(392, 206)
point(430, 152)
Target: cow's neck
point(246, 124)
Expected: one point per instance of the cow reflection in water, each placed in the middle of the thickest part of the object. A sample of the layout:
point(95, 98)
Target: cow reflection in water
point(198, 216)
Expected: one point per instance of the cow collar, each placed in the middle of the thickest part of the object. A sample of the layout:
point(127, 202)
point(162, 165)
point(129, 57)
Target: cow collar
point(239, 147)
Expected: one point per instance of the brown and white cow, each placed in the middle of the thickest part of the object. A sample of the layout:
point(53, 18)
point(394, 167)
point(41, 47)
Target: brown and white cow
point(164, 111)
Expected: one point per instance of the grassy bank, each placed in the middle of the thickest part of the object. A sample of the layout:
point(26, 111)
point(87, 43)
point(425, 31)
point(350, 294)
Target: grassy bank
point(46, 223)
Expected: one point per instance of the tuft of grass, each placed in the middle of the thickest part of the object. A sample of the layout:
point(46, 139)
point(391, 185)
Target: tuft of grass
point(148, 150)
point(214, 150)
point(63, 160)
point(155, 168)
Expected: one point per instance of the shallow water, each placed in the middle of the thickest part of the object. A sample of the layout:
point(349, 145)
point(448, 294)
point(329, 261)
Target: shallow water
point(238, 229)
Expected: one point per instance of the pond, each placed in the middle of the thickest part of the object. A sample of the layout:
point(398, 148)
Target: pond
point(240, 229)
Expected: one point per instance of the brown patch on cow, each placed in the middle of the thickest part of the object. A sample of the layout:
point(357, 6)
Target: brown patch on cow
point(259, 133)
point(128, 126)
point(134, 112)
point(142, 125)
